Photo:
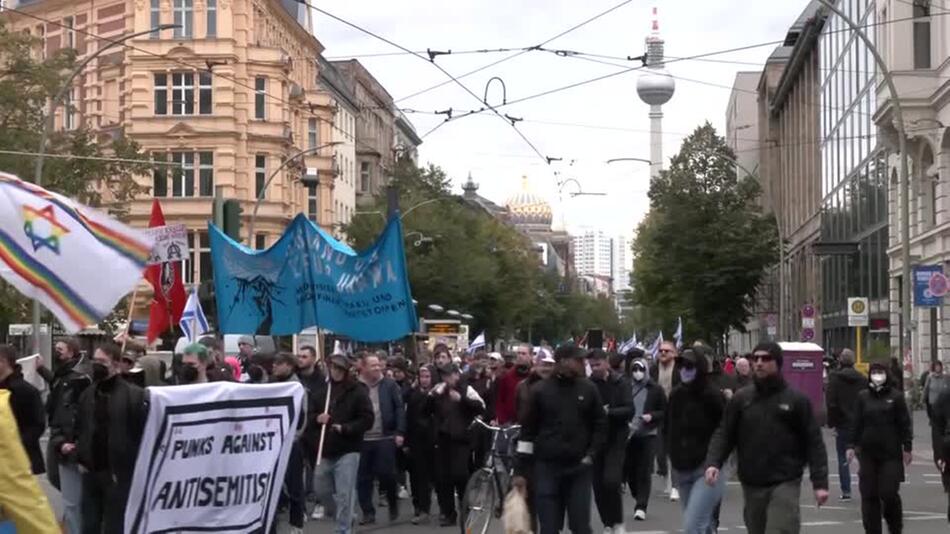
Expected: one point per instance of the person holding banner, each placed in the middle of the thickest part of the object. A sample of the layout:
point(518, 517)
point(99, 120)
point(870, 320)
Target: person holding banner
point(346, 415)
point(109, 427)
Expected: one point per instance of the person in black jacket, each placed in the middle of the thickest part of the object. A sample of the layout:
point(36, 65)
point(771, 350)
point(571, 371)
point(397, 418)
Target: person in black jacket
point(666, 374)
point(26, 403)
point(109, 428)
point(649, 403)
point(881, 436)
point(694, 412)
point(615, 393)
point(69, 368)
point(941, 428)
point(348, 416)
point(774, 432)
point(844, 385)
point(564, 427)
point(420, 443)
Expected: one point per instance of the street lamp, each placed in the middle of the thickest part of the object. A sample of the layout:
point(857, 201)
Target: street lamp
point(467, 316)
point(407, 212)
point(48, 124)
point(436, 308)
point(580, 190)
point(260, 194)
point(641, 160)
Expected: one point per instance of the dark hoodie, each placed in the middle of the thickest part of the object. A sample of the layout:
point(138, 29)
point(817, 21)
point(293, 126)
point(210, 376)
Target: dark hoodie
point(843, 388)
point(692, 416)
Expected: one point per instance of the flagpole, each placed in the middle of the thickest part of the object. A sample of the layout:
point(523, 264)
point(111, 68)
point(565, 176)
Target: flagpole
point(194, 314)
point(326, 410)
point(128, 318)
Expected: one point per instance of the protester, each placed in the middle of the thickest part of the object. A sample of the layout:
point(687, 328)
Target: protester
point(27, 406)
point(109, 428)
point(194, 365)
point(564, 427)
point(349, 416)
point(246, 347)
point(881, 436)
point(314, 382)
point(941, 422)
point(616, 394)
point(496, 369)
point(773, 430)
point(217, 369)
point(936, 383)
point(453, 405)
point(649, 404)
point(69, 367)
point(441, 358)
point(378, 454)
point(541, 370)
point(420, 441)
point(694, 412)
point(844, 385)
point(285, 368)
point(666, 375)
point(743, 373)
point(505, 404)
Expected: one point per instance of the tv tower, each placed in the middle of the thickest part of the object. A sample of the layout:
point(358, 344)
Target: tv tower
point(655, 87)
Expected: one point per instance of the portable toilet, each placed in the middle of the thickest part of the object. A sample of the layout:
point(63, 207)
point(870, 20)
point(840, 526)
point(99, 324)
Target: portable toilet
point(803, 369)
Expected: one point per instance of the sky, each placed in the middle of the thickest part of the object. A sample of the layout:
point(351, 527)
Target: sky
point(585, 125)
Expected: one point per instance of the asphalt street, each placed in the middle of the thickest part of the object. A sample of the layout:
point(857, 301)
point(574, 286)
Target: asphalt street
point(925, 504)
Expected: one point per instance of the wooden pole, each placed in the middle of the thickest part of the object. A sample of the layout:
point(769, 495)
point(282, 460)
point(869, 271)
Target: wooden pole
point(128, 319)
point(323, 429)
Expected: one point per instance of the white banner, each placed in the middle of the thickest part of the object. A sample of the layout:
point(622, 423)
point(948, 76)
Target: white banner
point(213, 457)
point(171, 243)
point(29, 366)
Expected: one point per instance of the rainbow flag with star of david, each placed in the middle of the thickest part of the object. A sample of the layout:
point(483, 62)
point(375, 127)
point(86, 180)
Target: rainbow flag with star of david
point(75, 260)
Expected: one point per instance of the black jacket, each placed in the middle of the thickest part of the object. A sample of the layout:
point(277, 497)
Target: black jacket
point(564, 422)
point(523, 396)
point(125, 410)
point(26, 403)
point(62, 426)
point(62, 382)
point(654, 405)
point(941, 426)
point(452, 418)
point(316, 386)
point(881, 428)
point(843, 389)
point(350, 408)
point(420, 426)
point(693, 414)
point(617, 396)
point(774, 431)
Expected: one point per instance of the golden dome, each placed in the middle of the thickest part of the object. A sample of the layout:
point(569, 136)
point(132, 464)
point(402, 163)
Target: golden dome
point(527, 208)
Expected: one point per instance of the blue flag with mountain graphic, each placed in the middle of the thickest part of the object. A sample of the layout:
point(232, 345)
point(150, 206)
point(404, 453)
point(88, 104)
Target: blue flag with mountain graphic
point(308, 278)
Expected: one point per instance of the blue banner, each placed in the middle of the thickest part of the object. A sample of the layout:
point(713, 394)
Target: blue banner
point(308, 278)
point(930, 285)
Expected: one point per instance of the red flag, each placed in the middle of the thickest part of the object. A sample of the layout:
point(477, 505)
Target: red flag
point(169, 292)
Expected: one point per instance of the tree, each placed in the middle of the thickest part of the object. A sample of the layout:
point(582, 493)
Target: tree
point(705, 246)
point(28, 80)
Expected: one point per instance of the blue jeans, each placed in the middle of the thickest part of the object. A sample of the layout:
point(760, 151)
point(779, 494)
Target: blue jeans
point(70, 483)
point(699, 500)
point(844, 470)
point(334, 480)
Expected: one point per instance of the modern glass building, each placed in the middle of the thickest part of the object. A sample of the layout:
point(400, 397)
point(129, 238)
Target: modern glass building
point(853, 182)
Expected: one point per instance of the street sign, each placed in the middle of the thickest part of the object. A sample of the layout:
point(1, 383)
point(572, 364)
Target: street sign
point(858, 311)
point(808, 322)
point(808, 334)
point(171, 243)
point(930, 286)
point(808, 311)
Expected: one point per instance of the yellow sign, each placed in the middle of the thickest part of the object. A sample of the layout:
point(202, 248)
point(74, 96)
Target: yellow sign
point(862, 367)
point(442, 328)
point(857, 306)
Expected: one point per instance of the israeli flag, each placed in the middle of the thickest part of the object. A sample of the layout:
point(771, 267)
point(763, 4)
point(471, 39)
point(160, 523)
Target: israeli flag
point(655, 347)
point(477, 343)
point(678, 335)
point(628, 345)
point(193, 321)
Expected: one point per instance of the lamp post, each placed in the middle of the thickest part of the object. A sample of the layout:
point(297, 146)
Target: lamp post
point(48, 124)
point(906, 334)
point(288, 161)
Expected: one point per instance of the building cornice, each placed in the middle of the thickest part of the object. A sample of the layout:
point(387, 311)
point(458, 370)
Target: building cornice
point(806, 42)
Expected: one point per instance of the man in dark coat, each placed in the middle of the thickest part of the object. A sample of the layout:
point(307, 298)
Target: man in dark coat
point(941, 422)
point(71, 373)
point(844, 385)
point(26, 403)
point(420, 443)
point(649, 406)
point(615, 393)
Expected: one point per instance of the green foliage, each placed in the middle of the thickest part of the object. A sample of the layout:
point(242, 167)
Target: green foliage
point(461, 258)
point(705, 245)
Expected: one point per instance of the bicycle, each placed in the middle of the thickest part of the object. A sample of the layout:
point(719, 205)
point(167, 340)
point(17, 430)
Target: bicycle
point(486, 488)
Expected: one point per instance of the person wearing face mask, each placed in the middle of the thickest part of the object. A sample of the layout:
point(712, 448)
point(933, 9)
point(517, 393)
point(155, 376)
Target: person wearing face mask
point(285, 367)
point(615, 392)
point(692, 416)
point(649, 404)
point(194, 365)
point(881, 437)
point(506, 409)
point(109, 428)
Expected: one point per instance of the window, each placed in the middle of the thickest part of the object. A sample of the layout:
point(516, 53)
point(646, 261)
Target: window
point(206, 174)
point(312, 202)
point(184, 17)
point(156, 18)
point(211, 11)
point(260, 175)
point(260, 89)
point(364, 176)
point(69, 110)
point(69, 35)
point(160, 175)
point(161, 94)
point(183, 174)
point(183, 93)
point(260, 241)
point(921, 34)
point(312, 138)
point(199, 258)
point(204, 93)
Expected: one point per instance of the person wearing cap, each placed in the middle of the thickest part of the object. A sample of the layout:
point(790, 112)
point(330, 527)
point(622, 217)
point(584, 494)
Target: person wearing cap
point(694, 412)
point(844, 386)
point(615, 393)
point(348, 416)
point(774, 433)
point(649, 405)
point(563, 429)
point(881, 437)
point(246, 346)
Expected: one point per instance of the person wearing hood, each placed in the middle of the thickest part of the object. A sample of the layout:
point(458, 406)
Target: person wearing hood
point(615, 393)
point(66, 383)
point(694, 412)
point(881, 438)
point(649, 402)
point(844, 385)
point(420, 444)
point(774, 433)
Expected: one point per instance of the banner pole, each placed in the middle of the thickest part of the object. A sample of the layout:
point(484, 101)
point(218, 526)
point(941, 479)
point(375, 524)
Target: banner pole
point(194, 315)
point(128, 318)
point(326, 409)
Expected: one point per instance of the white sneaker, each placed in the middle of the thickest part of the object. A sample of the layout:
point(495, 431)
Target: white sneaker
point(619, 529)
point(403, 492)
point(318, 512)
point(296, 530)
point(674, 495)
point(640, 515)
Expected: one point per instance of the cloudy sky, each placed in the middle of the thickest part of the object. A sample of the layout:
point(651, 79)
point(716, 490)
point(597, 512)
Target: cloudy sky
point(585, 125)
